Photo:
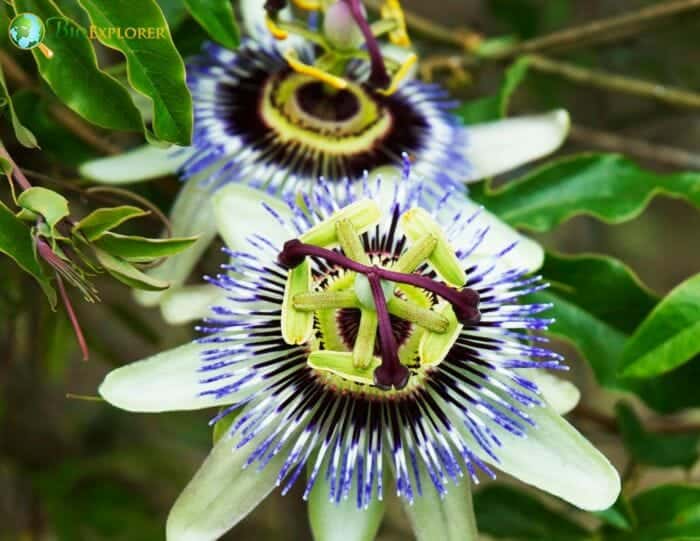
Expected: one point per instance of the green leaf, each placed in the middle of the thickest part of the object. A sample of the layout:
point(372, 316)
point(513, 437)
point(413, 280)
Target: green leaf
point(606, 186)
point(38, 115)
point(597, 300)
point(174, 11)
point(142, 249)
point(662, 450)
point(98, 222)
point(126, 273)
point(601, 285)
point(73, 73)
point(585, 291)
point(22, 133)
point(216, 17)
point(495, 107)
point(16, 241)
point(47, 203)
point(507, 513)
point(154, 66)
point(664, 513)
point(668, 337)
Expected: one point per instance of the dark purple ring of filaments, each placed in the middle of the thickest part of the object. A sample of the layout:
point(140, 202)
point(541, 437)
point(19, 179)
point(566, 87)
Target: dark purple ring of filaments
point(392, 372)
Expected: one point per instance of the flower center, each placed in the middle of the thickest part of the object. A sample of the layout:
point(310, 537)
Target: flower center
point(320, 102)
point(308, 112)
point(369, 303)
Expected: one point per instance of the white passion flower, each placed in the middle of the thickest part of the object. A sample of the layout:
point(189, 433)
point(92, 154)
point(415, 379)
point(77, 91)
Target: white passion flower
point(367, 345)
point(267, 115)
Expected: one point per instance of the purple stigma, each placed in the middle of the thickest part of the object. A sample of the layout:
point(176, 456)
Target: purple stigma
point(391, 372)
point(465, 302)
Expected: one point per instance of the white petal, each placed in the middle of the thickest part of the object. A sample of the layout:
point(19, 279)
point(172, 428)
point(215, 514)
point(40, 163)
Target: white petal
point(168, 381)
point(221, 493)
point(497, 147)
point(326, 516)
point(561, 395)
point(143, 163)
point(527, 254)
point(448, 519)
point(190, 303)
point(556, 458)
point(240, 213)
point(191, 215)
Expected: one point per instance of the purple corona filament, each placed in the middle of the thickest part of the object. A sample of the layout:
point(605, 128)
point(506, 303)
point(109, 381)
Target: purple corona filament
point(465, 302)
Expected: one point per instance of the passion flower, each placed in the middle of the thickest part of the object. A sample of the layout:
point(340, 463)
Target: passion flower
point(367, 344)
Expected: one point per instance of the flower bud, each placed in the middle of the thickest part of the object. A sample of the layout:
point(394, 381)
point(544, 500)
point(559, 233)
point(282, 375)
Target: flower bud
point(340, 27)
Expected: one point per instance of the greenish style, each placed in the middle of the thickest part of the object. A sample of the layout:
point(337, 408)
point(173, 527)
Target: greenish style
point(154, 67)
point(73, 73)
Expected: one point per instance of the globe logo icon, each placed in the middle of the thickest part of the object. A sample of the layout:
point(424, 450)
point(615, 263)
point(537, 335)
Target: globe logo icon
point(27, 31)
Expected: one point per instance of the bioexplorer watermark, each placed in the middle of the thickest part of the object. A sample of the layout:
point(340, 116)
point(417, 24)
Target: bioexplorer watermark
point(67, 29)
point(27, 31)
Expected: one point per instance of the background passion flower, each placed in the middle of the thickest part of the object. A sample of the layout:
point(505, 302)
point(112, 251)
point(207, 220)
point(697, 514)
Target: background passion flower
point(364, 340)
point(278, 114)
point(258, 119)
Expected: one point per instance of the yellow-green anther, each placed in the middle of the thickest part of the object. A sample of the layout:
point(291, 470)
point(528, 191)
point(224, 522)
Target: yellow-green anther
point(417, 223)
point(428, 319)
point(363, 352)
point(433, 346)
point(362, 215)
point(417, 254)
point(325, 300)
point(350, 242)
point(297, 326)
point(341, 363)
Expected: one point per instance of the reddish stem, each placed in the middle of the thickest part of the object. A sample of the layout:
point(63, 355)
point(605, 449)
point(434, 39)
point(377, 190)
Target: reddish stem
point(73, 317)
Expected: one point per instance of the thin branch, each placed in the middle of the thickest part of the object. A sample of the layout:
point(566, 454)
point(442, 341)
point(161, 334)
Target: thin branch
point(609, 81)
point(598, 31)
point(675, 157)
point(466, 39)
point(72, 317)
point(73, 123)
point(64, 116)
